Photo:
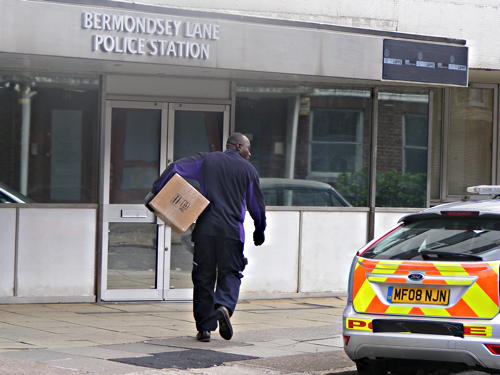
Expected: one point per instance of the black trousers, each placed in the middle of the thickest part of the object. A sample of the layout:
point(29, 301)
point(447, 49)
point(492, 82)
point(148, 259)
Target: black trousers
point(218, 264)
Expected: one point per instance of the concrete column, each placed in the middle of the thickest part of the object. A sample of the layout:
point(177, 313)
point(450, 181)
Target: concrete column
point(25, 101)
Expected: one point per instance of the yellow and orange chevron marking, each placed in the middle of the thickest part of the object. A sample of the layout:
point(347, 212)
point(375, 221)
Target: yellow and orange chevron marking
point(480, 280)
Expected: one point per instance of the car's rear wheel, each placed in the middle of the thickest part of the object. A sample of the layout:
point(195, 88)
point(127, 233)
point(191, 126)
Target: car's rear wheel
point(371, 367)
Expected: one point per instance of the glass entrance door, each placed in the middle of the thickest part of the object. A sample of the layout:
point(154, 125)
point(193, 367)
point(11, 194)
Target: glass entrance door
point(133, 240)
point(192, 128)
point(142, 258)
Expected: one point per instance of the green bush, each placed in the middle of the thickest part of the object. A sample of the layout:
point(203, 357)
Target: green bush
point(353, 187)
point(393, 189)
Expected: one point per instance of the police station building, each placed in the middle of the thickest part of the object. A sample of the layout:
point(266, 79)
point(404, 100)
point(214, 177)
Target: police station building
point(351, 128)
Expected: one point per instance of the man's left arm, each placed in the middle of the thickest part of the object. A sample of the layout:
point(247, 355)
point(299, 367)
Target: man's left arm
point(257, 210)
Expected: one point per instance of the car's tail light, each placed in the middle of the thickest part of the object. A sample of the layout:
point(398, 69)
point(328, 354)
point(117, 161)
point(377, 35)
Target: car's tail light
point(346, 340)
point(350, 282)
point(460, 213)
point(493, 348)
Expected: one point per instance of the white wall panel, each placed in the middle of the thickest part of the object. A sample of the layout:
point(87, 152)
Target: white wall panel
point(56, 252)
point(272, 267)
point(329, 242)
point(7, 250)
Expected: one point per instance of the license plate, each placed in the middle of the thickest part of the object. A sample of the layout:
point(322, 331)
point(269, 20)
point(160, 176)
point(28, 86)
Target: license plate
point(428, 296)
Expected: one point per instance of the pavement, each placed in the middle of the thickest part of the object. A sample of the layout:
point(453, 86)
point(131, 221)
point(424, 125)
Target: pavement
point(271, 337)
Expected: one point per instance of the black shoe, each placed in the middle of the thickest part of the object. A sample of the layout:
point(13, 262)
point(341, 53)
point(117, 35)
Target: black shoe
point(203, 336)
point(225, 327)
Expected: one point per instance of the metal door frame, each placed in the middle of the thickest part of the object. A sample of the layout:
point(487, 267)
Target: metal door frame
point(115, 212)
point(186, 294)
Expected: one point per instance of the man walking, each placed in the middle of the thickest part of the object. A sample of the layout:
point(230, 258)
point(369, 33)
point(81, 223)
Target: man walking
point(231, 184)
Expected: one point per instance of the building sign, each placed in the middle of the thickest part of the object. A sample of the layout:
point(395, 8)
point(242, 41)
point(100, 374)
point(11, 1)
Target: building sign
point(75, 30)
point(424, 62)
point(149, 36)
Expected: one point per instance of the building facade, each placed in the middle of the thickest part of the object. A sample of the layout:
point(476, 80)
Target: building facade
point(97, 97)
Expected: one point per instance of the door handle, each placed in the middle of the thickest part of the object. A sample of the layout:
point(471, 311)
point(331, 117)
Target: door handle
point(137, 214)
point(166, 248)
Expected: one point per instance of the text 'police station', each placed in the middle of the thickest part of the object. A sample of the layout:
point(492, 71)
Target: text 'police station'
point(150, 33)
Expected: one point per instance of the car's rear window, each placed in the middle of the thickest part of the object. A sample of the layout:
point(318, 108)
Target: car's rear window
point(447, 238)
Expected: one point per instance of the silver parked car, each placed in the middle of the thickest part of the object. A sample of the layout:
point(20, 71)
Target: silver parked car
point(296, 192)
point(428, 290)
point(9, 195)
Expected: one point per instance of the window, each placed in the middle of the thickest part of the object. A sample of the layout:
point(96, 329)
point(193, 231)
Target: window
point(49, 136)
point(303, 133)
point(470, 139)
point(415, 143)
point(135, 152)
point(336, 142)
point(402, 148)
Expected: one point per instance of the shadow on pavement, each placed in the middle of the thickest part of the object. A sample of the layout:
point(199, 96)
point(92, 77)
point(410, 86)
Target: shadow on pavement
point(185, 359)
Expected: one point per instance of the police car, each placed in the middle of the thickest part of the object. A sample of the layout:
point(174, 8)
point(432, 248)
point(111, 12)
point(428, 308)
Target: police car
point(428, 290)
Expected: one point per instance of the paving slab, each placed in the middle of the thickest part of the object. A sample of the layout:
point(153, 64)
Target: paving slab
point(18, 330)
point(115, 338)
point(140, 348)
point(24, 308)
point(36, 355)
point(230, 369)
point(98, 352)
point(49, 325)
point(148, 331)
point(307, 347)
point(9, 346)
point(151, 307)
point(191, 343)
point(335, 341)
point(260, 352)
point(77, 307)
point(298, 323)
point(17, 367)
point(61, 343)
point(299, 334)
point(94, 365)
point(305, 363)
point(275, 343)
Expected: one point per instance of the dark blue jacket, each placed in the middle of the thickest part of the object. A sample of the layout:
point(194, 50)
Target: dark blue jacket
point(230, 183)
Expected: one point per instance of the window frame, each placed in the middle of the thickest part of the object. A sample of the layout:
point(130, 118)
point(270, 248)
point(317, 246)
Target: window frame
point(358, 144)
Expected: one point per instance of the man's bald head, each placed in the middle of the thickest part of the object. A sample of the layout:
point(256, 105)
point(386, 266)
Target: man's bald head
point(240, 143)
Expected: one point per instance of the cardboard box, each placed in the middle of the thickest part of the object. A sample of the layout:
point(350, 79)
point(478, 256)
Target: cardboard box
point(178, 203)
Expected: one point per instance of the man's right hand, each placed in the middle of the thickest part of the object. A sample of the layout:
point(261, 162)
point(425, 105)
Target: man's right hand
point(148, 199)
point(258, 238)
